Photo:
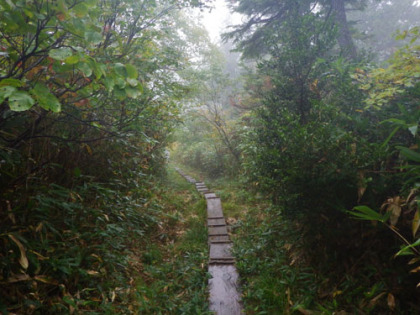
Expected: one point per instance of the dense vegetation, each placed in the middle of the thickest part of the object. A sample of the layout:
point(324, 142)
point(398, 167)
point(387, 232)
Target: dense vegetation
point(89, 93)
point(313, 134)
point(329, 135)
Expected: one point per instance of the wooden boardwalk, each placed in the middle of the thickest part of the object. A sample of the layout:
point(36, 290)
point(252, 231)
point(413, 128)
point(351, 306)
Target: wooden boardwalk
point(224, 296)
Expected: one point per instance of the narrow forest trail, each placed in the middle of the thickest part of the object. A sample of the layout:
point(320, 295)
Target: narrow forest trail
point(224, 295)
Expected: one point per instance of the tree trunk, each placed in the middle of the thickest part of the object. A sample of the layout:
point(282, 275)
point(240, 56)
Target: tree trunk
point(344, 37)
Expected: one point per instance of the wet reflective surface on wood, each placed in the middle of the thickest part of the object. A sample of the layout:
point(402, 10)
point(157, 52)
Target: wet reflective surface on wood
point(210, 196)
point(224, 298)
point(219, 239)
point(220, 253)
point(216, 222)
point(214, 208)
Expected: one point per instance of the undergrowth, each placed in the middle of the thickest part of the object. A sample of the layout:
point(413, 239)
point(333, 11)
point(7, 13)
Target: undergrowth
point(277, 270)
point(104, 249)
point(174, 279)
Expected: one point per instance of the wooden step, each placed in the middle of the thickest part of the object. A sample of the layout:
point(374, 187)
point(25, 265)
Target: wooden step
point(216, 222)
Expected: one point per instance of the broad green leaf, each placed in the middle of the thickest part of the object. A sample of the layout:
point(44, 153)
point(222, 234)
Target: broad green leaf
point(132, 92)
point(120, 93)
point(72, 59)
point(396, 121)
point(392, 134)
point(61, 53)
point(120, 83)
point(93, 38)
point(85, 68)
point(120, 70)
point(366, 213)
point(132, 82)
point(11, 82)
point(98, 69)
point(81, 9)
point(45, 98)
point(407, 250)
point(5, 92)
point(109, 83)
point(28, 13)
point(413, 129)
point(409, 154)
point(20, 101)
point(131, 71)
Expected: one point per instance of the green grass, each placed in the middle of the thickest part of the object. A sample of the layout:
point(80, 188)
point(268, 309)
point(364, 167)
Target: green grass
point(174, 276)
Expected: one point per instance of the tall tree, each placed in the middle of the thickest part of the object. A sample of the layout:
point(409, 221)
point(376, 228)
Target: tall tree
point(344, 38)
point(263, 16)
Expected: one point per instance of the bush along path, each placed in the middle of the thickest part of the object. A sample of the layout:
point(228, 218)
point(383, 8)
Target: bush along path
point(224, 296)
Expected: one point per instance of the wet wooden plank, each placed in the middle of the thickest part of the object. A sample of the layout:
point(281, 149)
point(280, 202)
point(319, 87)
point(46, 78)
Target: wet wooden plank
point(224, 294)
point(223, 285)
point(220, 251)
point(214, 208)
point(210, 195)
point(190, 179)
point(216, 222)
point(218, 230)
point(219, 239)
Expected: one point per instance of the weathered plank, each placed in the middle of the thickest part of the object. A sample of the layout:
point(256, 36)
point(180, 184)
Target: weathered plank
point(218, 230)
point(214, 208)
point(190, 179)
point(221, 251)
point(216, 222)
point(210, 195)
point(224, 296)
point(219, 239)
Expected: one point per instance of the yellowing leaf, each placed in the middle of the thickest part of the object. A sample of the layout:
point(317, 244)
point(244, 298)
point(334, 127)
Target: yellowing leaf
point(88, 149)
point(415, 270)
point(23, 260)
point(416, 223)
point(17, 278)
point(45, 279)
point(395, 213)
point(414, 260)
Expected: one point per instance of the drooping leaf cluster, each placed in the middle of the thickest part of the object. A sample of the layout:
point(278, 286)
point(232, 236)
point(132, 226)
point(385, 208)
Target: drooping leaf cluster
point(315, 146)
point(89, 92)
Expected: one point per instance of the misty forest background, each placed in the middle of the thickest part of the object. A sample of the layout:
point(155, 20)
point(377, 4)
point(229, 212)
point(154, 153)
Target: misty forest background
point(304, 120)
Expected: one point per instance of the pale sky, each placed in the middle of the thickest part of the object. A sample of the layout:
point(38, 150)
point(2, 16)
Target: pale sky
point(215, 20)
